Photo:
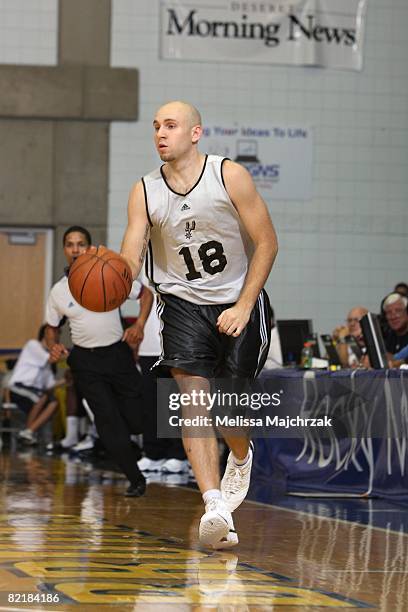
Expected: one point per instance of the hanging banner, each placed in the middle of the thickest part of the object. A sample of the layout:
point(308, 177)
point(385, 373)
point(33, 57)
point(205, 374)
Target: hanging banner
point(279, 157)
point(356, 461)
point(326, 33)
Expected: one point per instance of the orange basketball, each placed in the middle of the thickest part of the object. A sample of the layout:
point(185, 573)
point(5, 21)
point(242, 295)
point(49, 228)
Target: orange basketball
point(100, 281)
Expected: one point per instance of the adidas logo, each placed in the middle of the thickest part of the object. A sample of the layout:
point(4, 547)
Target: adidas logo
point(71, 305)
point(185, 206)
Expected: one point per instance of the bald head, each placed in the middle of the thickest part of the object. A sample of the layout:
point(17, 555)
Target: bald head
point(353, 320)
point(179, 109)
point(357, 312)
point(177, 127)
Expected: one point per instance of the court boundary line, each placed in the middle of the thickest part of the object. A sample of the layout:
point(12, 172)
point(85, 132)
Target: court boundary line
point(302, 512)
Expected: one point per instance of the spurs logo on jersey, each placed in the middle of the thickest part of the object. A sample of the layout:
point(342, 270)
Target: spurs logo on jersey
point(189, 229)
point(200, 254)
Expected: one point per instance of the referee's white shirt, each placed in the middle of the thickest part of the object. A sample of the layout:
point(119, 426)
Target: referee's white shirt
point(88, 329)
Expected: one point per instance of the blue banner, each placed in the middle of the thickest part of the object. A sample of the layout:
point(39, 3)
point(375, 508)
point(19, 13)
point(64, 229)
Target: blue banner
point(360, 466)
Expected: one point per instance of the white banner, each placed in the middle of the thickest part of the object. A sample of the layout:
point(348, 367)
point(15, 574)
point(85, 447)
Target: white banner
point(279, 158)
point(325, 33)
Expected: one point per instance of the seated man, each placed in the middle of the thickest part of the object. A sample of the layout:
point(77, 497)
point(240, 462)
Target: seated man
point(347, 357)
point(32, 382)
point(395, 309)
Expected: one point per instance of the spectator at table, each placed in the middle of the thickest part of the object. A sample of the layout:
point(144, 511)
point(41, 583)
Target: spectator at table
point(394, 308)
point(347, 356)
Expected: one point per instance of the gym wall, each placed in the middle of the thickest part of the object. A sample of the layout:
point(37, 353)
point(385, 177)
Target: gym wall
point(344, 247)
point(347, 245)
point(57, 96)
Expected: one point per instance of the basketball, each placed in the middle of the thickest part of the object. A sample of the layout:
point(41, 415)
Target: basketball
point(100, 280)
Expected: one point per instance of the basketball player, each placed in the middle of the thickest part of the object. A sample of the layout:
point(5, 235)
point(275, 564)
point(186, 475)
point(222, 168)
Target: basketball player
point(210, 246)
point(101, 362)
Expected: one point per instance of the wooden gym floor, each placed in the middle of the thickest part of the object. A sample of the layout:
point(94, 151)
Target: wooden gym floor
point(71, 537)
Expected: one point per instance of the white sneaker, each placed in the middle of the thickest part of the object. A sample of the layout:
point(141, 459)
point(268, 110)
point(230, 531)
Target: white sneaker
point(153, 477)
point(216, 526)
point(235, 482)
point(27, 436)
point(174, 479)
point(229, 541)
point(68, 443)
point(150, 465)
point(86, 444)
point(175, 466)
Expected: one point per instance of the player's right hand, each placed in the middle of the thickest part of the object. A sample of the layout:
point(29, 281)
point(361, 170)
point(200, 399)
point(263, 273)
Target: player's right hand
point(57, 352)
point(233, 320)
point(100, 248)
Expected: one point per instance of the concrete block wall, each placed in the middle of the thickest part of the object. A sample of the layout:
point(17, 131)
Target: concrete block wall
point(54, 116)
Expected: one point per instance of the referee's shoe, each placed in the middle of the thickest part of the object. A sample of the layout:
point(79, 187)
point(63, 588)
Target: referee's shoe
point(136, 489)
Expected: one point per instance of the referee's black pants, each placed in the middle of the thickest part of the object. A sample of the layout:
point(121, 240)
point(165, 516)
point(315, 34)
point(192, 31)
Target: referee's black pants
point(154, 447)
point(109, 381)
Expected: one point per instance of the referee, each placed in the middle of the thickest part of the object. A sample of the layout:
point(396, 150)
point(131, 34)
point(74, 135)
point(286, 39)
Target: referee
point(101, 362)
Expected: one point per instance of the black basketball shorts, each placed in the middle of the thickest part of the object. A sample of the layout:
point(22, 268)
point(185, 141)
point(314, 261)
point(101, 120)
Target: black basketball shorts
point(26, 396)
point(191, 341)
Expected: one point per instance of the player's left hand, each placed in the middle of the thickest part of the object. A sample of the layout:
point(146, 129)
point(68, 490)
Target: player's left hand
point(133, 335)
point(233, 320)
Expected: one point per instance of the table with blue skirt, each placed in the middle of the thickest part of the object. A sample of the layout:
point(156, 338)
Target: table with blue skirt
point(370, 459)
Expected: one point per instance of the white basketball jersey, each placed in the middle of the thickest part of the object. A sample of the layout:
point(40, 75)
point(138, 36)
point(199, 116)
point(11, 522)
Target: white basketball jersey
point(198, 250)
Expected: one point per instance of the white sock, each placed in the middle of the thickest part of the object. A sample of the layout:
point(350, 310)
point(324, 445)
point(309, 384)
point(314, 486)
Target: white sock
point(83, 425)
point(211, 494)
point(71, 436)
point(241, 462)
